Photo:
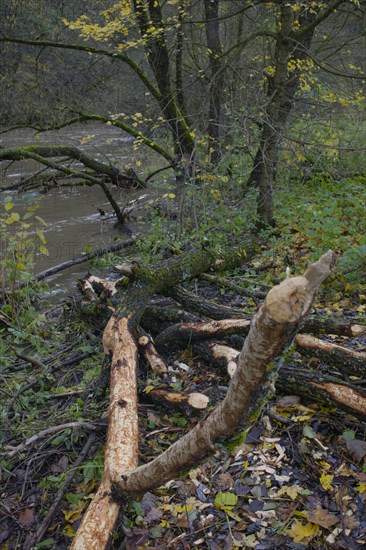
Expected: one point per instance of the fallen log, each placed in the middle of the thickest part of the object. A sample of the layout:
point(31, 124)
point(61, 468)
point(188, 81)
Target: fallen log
point(323, 389)
point(332, 325)
point(294, 378)
point(202, 306)
point(195, 400)
point(181, 334)
point(346, 360)
point(151, 355)
point(272, 330)
point(100, 519)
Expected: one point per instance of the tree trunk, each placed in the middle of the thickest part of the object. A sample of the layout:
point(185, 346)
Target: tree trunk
point(216, 78)
point(281, 91)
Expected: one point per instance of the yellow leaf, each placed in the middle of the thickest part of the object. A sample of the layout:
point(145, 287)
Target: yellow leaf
point(291, 490)
point(9, 205)
point(171, 195)
point(322, 517)
point(299, 532)
point(361, 488)
point(69, 531)
point(21, 267)
point(72, 515)
point(326, 481)
point(148, 389)
point(14, 217)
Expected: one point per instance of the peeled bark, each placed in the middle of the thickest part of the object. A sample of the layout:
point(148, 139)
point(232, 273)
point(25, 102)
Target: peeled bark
point(121, 449)
point(272, 330)
point(346, 360)
point(151, 355)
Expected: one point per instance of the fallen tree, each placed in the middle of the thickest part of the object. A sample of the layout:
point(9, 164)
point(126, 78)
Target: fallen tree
point(43, 155)
point(272, 330)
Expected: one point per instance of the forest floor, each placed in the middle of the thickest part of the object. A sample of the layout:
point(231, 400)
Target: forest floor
point(296, 480)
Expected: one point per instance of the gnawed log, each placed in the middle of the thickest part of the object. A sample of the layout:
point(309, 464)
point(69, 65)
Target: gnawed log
point(332, 325)
point(178, 399)
point(272, 330)
point(323, 389)
point(218, 354)
point(151, 355)
point(181, 334)
point(121, 448)
point(122, 439)
point(314, 386)
point(346, 360)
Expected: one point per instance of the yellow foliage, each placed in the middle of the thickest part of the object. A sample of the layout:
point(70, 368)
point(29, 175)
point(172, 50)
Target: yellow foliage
point(300, 531)
point(326, 481)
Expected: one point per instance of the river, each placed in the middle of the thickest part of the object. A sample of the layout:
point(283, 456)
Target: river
point(72, 219)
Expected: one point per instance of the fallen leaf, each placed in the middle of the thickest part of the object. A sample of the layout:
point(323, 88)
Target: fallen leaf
point(326, 481)
point(291, 490)
point(322, 517)
point(26, 517)
point(299, 531)
point(225, 500)
point(357, 449)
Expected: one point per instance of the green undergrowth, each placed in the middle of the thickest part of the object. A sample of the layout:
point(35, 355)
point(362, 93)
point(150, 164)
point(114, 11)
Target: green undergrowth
point(321, 215)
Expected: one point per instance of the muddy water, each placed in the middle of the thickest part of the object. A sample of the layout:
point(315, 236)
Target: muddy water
point(73, 221)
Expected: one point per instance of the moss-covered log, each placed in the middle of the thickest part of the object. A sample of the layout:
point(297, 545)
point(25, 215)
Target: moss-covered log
point(202, 306)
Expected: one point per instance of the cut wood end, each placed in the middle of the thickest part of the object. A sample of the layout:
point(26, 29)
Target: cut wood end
point(231, 368)
point(198, 400)
point(143, 341)
point(357, 330)
point(289, 301)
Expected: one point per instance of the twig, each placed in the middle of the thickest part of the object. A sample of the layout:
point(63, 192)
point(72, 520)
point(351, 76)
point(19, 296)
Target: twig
point(84, 258)
point(52, 429)
point(31, 360)
point(38, 535)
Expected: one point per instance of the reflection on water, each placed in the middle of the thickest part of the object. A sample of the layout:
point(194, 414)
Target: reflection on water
point(73, 221)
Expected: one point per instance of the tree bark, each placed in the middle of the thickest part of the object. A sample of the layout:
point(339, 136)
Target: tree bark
point(344, 359)
point(272, 330)
point(323, 389)
point(216, 78)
